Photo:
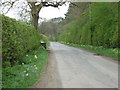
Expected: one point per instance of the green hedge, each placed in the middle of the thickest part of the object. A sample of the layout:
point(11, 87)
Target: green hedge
point(18, 38)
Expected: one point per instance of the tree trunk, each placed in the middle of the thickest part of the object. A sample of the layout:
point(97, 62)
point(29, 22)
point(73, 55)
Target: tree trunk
point(35, 14)
point(35, 9)
point(35, 18)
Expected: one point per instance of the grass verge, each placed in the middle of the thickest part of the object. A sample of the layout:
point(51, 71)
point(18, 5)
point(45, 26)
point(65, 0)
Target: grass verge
point(114, 53)
point(27, 73)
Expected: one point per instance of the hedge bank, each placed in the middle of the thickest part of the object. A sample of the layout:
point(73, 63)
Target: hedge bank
point(18, 38)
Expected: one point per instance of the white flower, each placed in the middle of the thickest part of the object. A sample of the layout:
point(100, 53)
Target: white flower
point(36, 57)
point(27, 74)
point(34, 65)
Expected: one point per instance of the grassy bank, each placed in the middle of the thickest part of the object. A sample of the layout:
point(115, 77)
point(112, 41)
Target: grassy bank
point(23, 75)
point(98, 49)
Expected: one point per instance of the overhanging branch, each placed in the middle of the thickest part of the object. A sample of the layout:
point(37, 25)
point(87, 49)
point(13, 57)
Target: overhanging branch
point(53, 4)
point(11, 3)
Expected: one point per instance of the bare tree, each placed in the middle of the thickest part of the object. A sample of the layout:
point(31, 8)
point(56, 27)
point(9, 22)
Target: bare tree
point(35, 7)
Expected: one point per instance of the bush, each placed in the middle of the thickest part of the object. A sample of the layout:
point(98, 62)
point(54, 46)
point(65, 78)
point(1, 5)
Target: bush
point(18, 38)
point(6, 64)
point(26, 74)
point(44, 39)
point(97, 28)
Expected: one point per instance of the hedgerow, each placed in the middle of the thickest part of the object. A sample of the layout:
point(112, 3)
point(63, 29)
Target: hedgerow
point(18, 38)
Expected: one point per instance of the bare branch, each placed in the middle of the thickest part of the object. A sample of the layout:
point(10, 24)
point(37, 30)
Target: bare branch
point(30, 5)
point(10, 7)
point(8, 3)
point(53, 4)
point(74, 4)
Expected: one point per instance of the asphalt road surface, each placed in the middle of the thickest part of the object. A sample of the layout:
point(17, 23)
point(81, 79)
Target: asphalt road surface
point(70, 67)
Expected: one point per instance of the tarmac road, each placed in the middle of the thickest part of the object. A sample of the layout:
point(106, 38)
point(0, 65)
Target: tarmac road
point(70, 67)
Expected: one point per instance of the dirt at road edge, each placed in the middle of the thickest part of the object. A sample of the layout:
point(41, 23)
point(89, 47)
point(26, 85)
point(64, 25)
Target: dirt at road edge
point(50, 77)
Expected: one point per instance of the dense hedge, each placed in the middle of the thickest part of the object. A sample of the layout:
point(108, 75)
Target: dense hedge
point(98, 26)
point(18, 38)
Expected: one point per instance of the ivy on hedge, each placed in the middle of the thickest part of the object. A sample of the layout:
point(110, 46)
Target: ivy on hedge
point(18, 38)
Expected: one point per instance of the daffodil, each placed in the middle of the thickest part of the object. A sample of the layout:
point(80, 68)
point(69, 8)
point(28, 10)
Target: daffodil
point(27, 74)
point(36, 57)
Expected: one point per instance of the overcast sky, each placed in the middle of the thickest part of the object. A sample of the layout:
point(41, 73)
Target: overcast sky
point(51, 12)
point(46, 12)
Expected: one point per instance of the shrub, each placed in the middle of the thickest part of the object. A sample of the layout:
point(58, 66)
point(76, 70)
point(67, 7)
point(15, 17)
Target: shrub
point(6, 64)
point(18, 38)
point(98, 28)
point(45, 39)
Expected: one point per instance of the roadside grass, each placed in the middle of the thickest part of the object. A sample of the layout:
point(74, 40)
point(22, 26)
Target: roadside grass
point(27, 73)
point(114, 53)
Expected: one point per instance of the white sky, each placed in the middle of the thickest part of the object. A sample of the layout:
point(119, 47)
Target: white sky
point(51, 12)
point(46, 12)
